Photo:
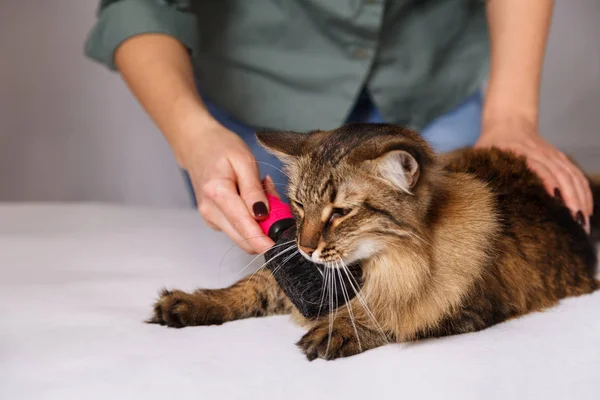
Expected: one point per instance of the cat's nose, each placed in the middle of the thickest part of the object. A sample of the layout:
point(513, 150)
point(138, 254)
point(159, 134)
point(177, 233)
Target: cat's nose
point(307, 250)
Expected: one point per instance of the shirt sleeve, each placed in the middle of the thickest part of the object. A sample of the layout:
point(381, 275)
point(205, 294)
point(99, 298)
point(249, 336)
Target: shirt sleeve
point(119, 20)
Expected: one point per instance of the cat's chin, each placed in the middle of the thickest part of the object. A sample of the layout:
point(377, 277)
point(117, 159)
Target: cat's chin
point(365, 250)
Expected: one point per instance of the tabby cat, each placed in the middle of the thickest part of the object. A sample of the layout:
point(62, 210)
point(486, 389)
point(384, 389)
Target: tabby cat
point(448, 244)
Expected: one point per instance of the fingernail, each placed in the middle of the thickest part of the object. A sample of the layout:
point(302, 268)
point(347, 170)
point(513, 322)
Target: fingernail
point(579, 218)
point(557, 194)
point(260, 210)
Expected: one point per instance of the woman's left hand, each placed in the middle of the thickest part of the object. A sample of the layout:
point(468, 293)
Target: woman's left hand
point(561, 177)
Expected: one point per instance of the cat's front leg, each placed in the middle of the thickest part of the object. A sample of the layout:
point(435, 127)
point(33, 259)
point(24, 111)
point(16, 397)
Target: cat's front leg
point(340, 339)
point(255, 296)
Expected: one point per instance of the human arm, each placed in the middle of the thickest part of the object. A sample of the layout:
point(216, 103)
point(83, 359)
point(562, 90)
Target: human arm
point(518, 34)
point(154, 60)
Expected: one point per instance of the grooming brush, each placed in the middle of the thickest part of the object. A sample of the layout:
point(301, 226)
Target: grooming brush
point(309, 287)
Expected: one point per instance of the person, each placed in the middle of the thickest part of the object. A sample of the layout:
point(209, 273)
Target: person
point(209, 73)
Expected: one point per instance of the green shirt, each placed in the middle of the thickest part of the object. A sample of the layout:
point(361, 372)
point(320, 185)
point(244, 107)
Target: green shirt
point(300, 64)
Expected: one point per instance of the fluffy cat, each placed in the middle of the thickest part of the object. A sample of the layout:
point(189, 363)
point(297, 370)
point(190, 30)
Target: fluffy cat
point(448, 245)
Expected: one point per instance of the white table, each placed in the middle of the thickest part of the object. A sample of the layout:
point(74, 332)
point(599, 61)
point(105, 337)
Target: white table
point(76, 281)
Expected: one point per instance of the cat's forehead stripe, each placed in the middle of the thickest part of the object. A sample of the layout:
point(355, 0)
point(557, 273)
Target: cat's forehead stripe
point(325, 187)
point(334, 154)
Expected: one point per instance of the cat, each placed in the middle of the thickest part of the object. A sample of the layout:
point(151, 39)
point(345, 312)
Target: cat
point(449, 244)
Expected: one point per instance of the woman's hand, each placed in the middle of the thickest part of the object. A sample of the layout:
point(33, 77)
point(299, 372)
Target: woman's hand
point(223, 171)
point(561, 177)
point(518, 34)
point(226, 182)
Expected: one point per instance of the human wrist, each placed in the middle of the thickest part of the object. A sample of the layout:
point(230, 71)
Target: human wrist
point(192, 127)
point(506, 102)
point(510, 118)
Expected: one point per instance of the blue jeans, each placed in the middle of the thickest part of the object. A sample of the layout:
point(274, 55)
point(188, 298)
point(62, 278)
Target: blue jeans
point(458, 128)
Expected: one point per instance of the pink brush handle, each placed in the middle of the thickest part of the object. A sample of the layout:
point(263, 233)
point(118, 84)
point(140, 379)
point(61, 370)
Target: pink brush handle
point(278, 210)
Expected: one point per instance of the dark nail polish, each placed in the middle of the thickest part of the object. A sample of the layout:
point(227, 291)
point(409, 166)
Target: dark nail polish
point(260, 210)
point(579, 218)
point(557, 194)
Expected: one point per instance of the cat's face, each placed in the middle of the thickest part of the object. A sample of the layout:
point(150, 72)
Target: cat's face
point(353, 189)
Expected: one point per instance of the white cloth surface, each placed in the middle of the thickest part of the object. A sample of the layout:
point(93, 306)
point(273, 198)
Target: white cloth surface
point(76, 282)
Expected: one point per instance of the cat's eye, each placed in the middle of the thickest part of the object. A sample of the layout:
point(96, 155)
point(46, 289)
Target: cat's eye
point(298, 205)
point(338, 213)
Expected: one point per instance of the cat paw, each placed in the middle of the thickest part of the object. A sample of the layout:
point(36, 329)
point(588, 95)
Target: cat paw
point(317, 343)
point(177, 309)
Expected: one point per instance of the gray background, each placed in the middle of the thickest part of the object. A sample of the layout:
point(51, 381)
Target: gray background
point(70, 130)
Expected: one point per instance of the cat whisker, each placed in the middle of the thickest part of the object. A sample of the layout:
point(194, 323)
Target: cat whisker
point(322, 291)
point(321, 272)
point(333, 294)
point(236, 244)
point(362, 301)
point(336, 293)
point(254, 259)
point(264, 190)
point(266, 263)
point(416, 236)
point(263, 253)
point(331, 317)
point(348, 305)
point(284, 262)
point(272, 258)
point(272, 166)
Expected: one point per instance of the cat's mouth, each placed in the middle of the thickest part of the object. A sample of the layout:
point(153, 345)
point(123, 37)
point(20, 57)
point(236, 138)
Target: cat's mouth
point(332, 258)
point(315, 257)
point(325, 258)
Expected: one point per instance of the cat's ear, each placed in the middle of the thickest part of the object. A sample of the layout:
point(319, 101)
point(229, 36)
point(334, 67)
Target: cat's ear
point(284, 145)
point(399, 157)
point(399, 168)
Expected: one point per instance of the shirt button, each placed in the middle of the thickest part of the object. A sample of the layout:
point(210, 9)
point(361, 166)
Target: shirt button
point(361, 53)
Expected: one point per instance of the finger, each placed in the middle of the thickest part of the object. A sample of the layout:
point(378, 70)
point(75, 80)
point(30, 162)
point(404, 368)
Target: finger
point(586, 190)
point(213, 217)
point(269, 186)
point(584, 193)
point(567, 186)
point(566, 190)
point(548, 179)
point(579, 191)
point(585, 187)
point(251, 189)
point(230, 231)
point(208, 210)
point(577, 187)
point(234, 209)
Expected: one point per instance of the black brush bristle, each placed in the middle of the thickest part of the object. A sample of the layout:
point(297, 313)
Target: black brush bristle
point(302, 280)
